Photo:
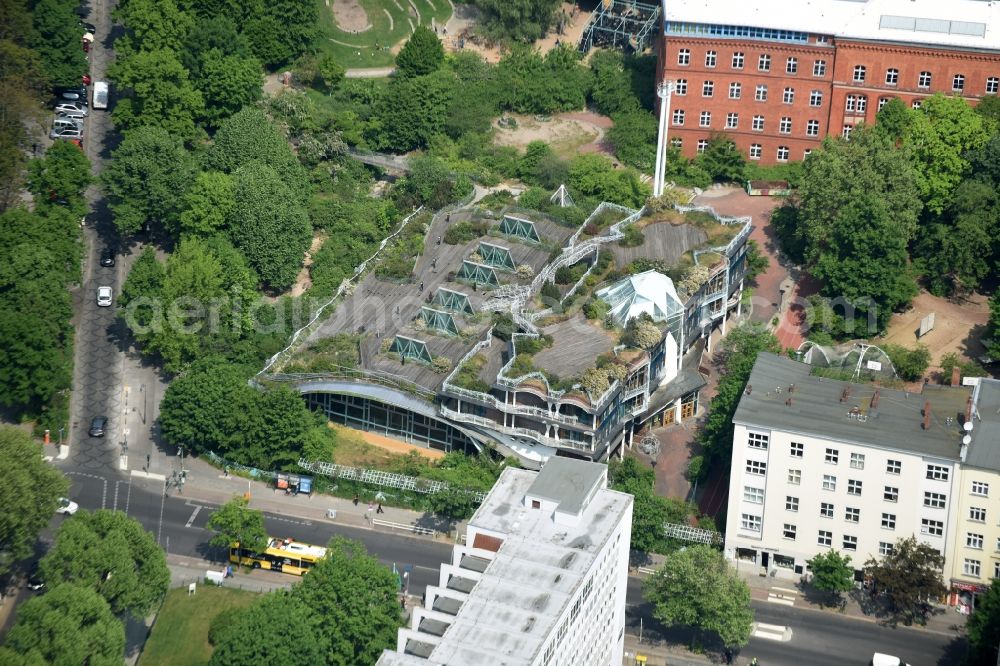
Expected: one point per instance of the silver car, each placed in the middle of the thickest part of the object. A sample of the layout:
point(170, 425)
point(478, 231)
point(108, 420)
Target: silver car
point(71, 110)
point(66, 133)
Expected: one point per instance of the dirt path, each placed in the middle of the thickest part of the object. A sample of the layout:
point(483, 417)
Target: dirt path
point(303, 281)
point(569, 134)
point(459, 32)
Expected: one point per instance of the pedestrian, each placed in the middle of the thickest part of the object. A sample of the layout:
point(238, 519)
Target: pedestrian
point(371, 506)
point(380, 510)
point(421, 285)
point(447, 219)
point(439, 240)
point(355, 499)
point(229, 571)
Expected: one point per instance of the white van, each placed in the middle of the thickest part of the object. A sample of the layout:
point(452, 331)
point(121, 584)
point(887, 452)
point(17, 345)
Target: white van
point(879, 659)
point(100, 94)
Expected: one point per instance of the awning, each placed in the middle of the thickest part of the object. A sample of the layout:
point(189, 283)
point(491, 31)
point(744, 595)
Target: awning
point(969, 587)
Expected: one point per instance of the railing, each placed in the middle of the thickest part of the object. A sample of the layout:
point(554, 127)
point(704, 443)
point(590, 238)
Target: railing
point(380, 478)
point(356, 376)
point(410, 527)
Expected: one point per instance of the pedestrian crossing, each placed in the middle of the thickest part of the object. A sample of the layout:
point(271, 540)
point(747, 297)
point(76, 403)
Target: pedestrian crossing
point(782, 595)
point(771, 632)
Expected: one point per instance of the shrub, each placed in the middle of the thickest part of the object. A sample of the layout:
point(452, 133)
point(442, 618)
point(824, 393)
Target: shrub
point(596, 309)
point(595, 381)
point(550, 292)
point(525, 272)
point(641, 332)
point(441, 364)
point(521, 366)
point(910, 364)
point(503, 325)
point(632, 237)
point(966, 368)
point(696, 468)
point(465, 231)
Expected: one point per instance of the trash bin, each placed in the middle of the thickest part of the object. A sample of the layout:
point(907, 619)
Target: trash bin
point(331, 514)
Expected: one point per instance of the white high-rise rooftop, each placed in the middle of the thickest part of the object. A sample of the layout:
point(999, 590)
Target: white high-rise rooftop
point(540, 580)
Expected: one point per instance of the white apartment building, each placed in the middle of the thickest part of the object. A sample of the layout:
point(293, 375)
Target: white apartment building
point(819, 464)
point(539, 581)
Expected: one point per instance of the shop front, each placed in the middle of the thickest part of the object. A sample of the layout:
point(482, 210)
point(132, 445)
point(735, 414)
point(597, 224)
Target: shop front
point(963, 595)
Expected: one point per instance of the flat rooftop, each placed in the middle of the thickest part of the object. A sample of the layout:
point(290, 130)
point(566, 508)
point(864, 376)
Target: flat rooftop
point(538, 568)
point(819, 408)
point(973, 24)
point(577, 343)
point(984, 450)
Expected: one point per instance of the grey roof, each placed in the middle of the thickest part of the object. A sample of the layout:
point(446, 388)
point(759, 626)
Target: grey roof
point(568, 482)
point(819, 408)
point(984, 451)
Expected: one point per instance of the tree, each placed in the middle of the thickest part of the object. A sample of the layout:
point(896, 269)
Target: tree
point(410, 111)
point(697, 588)
point(354, 599)
point(650, 512)
point(157, 92)
point(993, 326)
point(910, 364)
point(832, 572)
point(216, 31)
point(429, 182)
point(422, 54)
point(22, 86)
point(268, 226)
point(112, 554)
point(612, 90)
point(910, 577)
point(517, 20)
point(28, 496)
point(228, 83)
point(146, 179)
point(208, 204)
point(56, 40)
point(595, 175)
point(633, 136)
point(60, 177)
point(236, 522)
point(70, 624)
point(151, 25)
point(277, 629)
point(983, 628)
point(330, 72)
point(722, 160)
point(641, 332)
point(455, 503)
point(756, 261)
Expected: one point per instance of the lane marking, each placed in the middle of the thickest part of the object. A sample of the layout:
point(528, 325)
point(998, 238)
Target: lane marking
point(104, 493)
point(148, 475)
point(772, 632)
point(128, 496)
point(159, 531)
point(194, 514)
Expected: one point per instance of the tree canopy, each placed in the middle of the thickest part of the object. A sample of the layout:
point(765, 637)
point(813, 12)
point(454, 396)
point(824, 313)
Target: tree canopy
point(909, 576)
point(518, 20)
point(422, 53)
point(983, 628)
point(236, 522)
point(60, 177)
point(832, 572)
point(278, 629)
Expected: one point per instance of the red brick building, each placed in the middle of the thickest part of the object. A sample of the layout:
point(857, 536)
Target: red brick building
point(777, 76)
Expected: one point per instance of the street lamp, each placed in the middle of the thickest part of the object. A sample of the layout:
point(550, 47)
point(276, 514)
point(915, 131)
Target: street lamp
point(664, 90)
point(142, 390)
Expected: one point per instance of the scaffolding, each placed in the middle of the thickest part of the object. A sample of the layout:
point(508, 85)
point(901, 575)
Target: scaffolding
point(621, 24)
point(411, 348)
point(516, 227)
point(454, 301)
point(478, 274)
point(439, 320)
point(496, 256)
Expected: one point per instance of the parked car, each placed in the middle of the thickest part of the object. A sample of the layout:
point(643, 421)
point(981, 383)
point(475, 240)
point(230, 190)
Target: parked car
point(879, 659)
point(88, 27)
point(66, 133)
point(100, 94)
point(74, 93)
point(86, 79)
point(72, 109)
point(35, 581)
point(107, 257)
point(104, 297)
point(67, 506)
point(97, 426)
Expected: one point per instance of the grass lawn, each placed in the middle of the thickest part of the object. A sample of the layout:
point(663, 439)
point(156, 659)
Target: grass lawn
point(359, 50)
point(180, 635)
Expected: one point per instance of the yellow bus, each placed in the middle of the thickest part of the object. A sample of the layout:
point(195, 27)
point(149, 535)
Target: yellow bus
point(284, 555)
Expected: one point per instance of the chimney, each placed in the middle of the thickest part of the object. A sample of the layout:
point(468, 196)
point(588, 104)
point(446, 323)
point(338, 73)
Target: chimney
point(788, 403)
point(968, 410)
point(846, 394)
point(927, 414)
point(874, 403)
point(956, 376)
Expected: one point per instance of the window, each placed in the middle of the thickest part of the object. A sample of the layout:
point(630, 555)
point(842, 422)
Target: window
point(684, 57)
point(788, 96)
point(891, 76)
point(785, 125)
point(821, 39)
point(826, 510)
point(678, 116)
point(750, 522)
point(764, 63)
point(815, 98)
point(937, 473)
point(806, 153)
point(681, 87)
point(852, 515)
point(792, 66)
point(931, 527)
point(889, 521)
point(738, 60)
point(702, 145)
point(832, 456)
point(893, 467)
point(846, 132)
point(882, 101)
point(980, 488)
point(857, 461)
point(819, 68)
point(788, 532)
point(755, 151)
point(924, 80)
point(850, 542)
point(934, 500)
point(859, 73)
point(756, 467)
point(798, 449)
point(884, 548)
point(825, 538)
point(856, 104)
point(735, 90)
point(973, 540)
point(791, 503)
point(977, 513)
point(753, 495)
point(708, 88)
point(992, 85)
point(710, 57)
point(783, 153)
point(916, 103)
point(890, 494)
point(758, 124)
point(761, 94)
point(758, 440)
point(853, 487)
point(705, 119)
point(971, 567)
point(795, 476)
point(958, 83)
point(732, 120)
point(829, 482)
